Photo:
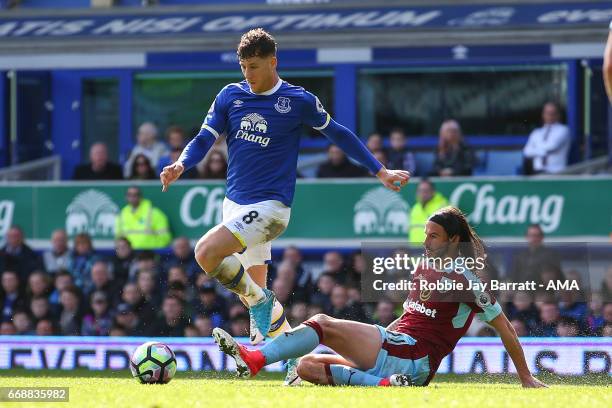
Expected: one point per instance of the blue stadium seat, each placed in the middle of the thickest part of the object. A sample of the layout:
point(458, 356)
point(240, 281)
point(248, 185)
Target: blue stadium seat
point(503, 163)
point(55, 4)
point(424, 162)
point(480, 167)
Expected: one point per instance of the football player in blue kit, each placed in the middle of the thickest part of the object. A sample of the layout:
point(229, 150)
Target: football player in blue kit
point(262, 117)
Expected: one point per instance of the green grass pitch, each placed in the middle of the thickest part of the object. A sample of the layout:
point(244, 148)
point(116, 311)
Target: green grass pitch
point(216, 390)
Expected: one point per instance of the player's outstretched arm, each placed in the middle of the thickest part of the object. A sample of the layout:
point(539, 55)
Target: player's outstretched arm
point(514, 349)
point(393, 179)
point(195, 151)
point(350, 143)
point(607, 66)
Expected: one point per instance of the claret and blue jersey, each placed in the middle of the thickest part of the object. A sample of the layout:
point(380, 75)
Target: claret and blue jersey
point(263, 134)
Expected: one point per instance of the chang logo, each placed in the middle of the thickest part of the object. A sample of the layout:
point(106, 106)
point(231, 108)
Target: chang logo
point(380, 211)
point(93, 212)
point(253, 122)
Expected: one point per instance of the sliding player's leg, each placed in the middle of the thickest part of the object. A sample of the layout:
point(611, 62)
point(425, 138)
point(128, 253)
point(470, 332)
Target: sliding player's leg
point(358, 343)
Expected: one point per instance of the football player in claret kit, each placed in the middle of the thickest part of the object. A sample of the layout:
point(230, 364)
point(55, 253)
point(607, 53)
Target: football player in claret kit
point(262, 117)
point(409, 350)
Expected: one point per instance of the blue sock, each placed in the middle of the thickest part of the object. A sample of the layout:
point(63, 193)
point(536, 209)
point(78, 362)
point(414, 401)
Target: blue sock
point(291, 344)
point(344, 375)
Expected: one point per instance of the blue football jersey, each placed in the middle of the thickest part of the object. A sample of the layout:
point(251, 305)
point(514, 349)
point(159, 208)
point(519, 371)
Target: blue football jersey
point(263, 136)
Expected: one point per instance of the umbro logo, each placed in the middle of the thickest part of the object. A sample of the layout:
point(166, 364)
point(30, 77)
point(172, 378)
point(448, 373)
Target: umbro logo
point(238, 102)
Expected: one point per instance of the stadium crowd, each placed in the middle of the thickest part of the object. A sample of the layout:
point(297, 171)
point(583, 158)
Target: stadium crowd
point(82, 291)
point(546, 151)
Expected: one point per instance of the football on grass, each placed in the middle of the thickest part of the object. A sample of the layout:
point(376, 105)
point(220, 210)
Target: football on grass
point(153, 363)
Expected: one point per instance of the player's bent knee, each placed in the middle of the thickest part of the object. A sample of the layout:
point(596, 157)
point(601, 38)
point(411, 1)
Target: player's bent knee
point(324, 321)
point(309, 370)
point(205, 250)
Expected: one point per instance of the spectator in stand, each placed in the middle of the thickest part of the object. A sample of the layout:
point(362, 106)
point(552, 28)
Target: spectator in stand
point(172, 322)
point(211, 305)
point(333, 263)
point(39, 284)
point(99, 321)
point(321, 297)
point(606, 285)
point(355, 269)
point(71, 312)
point(204, 326)
point(595, 319)
point(128, 321)
point(22, 322)
point(398, 155)
point(41, 309)
point(339, 166)
point(454, 157)
point(549, 319)
point(146, 282)
point(342, 309)
point(175, 138)
point(99, 167)
point(123, 263)
point(101, 281)
point(177, 274)
point(428, 201)
point(607, 313)
point(528, 264)
point(19, 256)
point(142, 168)
point(547, 147)
point(83, 259)
point(303, 277)
point(298, 313)
point(152, 233)
point(283, 288)
point(215, 166)
point(375, 142)
point(45, 327)
point(131, 295)
point(522, 308)
point(63, 279)
point(385, 313)
point(59, 256)
point(239, 325)
point(7, 329)
point(11, 298)
point(182, 255)
point(148, 145)
point(568, 327)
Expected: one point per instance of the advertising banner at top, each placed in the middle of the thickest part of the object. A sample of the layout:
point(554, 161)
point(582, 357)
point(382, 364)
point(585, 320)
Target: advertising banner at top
point(330, 18)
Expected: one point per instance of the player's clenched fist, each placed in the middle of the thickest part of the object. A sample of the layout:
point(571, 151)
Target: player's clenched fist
point(170, 173)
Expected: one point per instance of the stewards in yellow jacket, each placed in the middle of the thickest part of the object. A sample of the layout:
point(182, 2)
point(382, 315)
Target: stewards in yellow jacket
point(145, 226)
point(428, 201)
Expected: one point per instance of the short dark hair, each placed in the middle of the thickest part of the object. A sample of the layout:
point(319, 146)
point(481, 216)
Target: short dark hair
point(256, 43)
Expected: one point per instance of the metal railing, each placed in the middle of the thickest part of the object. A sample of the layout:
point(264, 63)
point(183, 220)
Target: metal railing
point(48, 168)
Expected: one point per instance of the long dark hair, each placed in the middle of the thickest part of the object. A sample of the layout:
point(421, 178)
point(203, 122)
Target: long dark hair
point(455, 223)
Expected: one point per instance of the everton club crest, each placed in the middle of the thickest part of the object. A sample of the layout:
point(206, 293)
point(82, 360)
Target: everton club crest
point(282, 105)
